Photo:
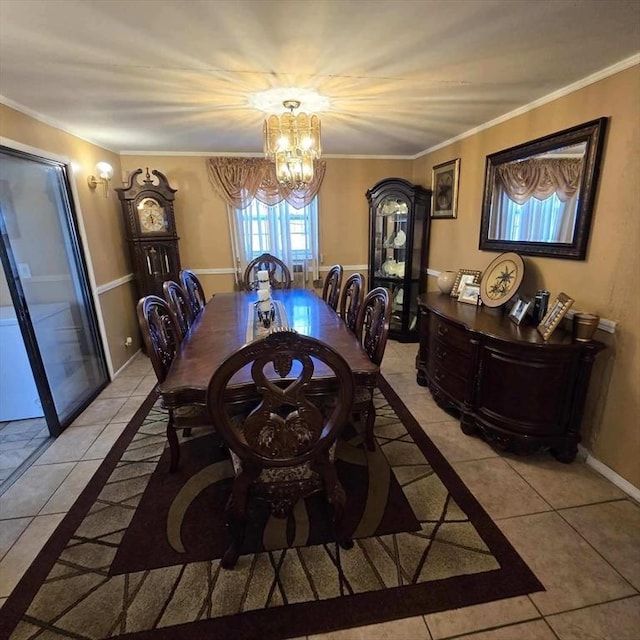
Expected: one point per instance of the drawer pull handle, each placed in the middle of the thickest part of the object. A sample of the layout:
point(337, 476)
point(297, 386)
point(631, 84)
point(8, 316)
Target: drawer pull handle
point(441, 354)
point(442, 331)
point(439, 376)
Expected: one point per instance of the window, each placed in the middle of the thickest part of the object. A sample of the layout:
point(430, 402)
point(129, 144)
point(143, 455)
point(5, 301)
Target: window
point(548, 220)
point(281, 230)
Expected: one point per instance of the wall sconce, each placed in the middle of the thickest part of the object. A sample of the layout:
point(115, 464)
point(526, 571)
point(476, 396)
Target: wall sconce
point(105, 173)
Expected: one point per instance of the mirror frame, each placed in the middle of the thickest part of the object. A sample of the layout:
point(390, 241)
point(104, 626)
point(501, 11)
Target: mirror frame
point(593, 133)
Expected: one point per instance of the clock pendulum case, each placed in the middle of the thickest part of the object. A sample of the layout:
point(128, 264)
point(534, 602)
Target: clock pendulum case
point(151, 231)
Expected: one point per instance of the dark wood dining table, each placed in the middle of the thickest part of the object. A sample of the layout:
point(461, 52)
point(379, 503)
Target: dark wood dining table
point(221, 329)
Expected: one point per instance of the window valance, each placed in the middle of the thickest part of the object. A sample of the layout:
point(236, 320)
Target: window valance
point(540, 178)
point(239, 180)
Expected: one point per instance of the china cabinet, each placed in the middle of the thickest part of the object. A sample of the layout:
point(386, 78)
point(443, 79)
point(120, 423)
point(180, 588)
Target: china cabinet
point(398, 245)
point(504, 380)
point(147, 207)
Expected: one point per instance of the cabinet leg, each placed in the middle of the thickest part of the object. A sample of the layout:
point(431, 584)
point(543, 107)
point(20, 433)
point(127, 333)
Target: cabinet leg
point(467, 426)
point(421, 379)
point(565, 454)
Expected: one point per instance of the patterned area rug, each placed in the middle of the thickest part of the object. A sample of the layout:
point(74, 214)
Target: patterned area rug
point(138, 554)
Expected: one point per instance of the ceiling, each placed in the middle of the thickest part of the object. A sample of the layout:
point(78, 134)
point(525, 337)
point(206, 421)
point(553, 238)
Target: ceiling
point(401, 76)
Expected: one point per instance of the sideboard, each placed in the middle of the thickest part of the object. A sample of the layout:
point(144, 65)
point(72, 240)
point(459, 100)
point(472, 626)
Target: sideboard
point(503, 380)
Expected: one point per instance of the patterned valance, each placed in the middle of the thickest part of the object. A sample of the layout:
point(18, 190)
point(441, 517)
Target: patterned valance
point(540, 178)
point(240, 180)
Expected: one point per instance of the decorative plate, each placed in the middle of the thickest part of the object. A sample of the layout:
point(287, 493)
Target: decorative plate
point(501, 279)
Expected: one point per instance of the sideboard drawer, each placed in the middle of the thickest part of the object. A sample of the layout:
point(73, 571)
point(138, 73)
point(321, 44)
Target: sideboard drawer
point(447, 357)
point(449, 333)
point(448, 382)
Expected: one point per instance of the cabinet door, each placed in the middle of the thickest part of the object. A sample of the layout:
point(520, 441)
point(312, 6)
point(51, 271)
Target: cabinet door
point(390, 244)
point(523, 392)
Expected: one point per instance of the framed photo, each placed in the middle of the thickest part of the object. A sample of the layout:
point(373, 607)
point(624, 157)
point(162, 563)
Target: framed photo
point(470, 294)
point(464, 276)
point(555, 314)
point(519, 310)
point(444, 183)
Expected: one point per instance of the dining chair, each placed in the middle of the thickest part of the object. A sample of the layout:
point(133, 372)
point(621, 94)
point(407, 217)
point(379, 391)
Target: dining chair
point(351, 298)
point(279, 274)
point(372, 329)
point(162, 337)
point(282, 449)
point(191, 284)
point(332, 284)
point(178, 301)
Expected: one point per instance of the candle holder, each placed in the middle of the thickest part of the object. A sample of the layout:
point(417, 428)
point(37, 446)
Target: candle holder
point(266, 312)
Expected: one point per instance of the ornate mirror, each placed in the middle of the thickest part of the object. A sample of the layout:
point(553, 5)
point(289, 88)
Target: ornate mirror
point(538, 196)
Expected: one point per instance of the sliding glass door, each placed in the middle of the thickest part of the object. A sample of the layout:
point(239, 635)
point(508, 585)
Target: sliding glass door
point(47, 291)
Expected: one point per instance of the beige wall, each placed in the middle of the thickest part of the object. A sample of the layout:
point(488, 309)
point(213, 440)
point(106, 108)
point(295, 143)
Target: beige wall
point(605, 282)
point(101, 217)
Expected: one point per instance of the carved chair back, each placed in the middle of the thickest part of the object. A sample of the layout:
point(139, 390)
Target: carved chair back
point(191, 284)
point(160, 331)
point(279, 274)
point(281, 446)
point(351, 298)
point(332, 284)
point(372, 325)
point(162, 335)
point(178, 301)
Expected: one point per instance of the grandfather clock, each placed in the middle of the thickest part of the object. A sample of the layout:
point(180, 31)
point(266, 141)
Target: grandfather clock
point(151, 231)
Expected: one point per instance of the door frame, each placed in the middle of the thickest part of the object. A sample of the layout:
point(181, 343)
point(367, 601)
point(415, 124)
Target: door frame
point(87, 275)
point(93, 287)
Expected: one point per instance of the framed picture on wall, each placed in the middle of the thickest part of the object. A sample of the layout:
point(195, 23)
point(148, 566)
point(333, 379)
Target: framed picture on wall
point(444, 183)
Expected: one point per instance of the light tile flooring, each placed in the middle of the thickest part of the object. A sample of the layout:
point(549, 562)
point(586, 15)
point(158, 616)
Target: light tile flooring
point(577, 531)
point(19, 440)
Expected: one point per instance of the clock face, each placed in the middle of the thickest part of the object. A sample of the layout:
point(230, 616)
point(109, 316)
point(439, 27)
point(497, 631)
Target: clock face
point(152, 216)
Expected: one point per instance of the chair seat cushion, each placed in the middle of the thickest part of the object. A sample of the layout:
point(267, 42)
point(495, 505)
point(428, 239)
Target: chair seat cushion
point(362, 395)
point(191, 411)
point(301, 472)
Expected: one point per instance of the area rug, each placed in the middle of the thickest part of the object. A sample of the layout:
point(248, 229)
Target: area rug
point(138, 555)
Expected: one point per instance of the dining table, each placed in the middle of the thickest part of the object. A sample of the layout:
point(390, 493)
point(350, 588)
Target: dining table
point(230, 320)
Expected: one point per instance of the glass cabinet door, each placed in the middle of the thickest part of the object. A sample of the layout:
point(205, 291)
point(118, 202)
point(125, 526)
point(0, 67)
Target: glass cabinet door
point(399, 228)
point(390, 255)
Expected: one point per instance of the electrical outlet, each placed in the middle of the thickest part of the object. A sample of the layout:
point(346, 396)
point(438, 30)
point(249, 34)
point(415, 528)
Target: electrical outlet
point(128, 341)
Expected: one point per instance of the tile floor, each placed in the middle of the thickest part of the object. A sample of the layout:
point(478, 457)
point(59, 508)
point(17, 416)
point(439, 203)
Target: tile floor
point(577, 531)
point(19, 441)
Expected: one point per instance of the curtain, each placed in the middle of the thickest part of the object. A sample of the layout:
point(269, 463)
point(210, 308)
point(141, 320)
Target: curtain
point(540, 178)
point(288, 233)
point(239, 180)
point(548, 220)
point(266, 225)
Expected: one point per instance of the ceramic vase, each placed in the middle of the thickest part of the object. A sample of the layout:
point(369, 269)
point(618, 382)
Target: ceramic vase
point(445, 281)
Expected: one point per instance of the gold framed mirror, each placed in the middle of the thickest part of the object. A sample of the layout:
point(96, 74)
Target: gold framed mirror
point(538, 196)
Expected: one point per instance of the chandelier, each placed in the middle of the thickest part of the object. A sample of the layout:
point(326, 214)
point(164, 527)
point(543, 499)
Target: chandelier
point(293, 142)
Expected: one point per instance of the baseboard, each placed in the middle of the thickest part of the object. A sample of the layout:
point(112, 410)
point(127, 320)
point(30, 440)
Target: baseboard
point(119, 371)
point(610, 474)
